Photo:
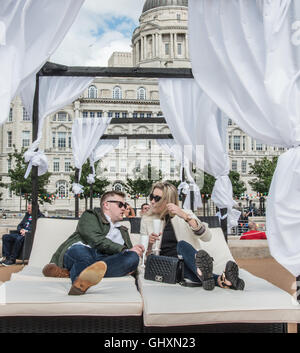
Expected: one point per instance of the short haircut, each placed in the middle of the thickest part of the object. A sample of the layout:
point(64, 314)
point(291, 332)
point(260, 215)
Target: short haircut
point(112, 193)
point(144, 204)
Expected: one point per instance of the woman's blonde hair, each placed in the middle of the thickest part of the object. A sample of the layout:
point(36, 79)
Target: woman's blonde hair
point(170, 195)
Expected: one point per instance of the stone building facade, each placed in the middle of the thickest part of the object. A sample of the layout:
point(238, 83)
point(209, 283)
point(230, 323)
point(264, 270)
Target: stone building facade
point(160, 40)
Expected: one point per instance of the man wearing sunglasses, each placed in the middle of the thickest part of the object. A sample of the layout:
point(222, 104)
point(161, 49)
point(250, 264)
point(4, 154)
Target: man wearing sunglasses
point(99, 247)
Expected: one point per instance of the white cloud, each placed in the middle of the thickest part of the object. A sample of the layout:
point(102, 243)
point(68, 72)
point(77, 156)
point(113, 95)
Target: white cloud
point(101, 28)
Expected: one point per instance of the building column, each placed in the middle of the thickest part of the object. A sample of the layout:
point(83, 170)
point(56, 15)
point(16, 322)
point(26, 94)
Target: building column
point(172, 46)
point(153, 46)
point(186, 46)
point(142, 48)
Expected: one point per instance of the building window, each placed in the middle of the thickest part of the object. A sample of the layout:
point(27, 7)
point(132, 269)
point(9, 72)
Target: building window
point(112, 166)
point(62, 189)
point(8, 165)
point(26, 116)
point(259, 146)
point(135, 115)
point(141, 93)
point(53, 139)
point(117, 93)
point(237, 143)
point(9, 138)
point(25, 138)
point(172, 167)
point(85, 114)
point(110, 114)
point(149, 115)
point(92, 92)
point(56, 165)
point(118, 187)
point(124, 115)
point(142, 115)
point(179, 48)
point(178, 17)
point(229, 122)
point(99, 114)
point(234, 166)
point(123, 166)
point(10, 116)
point(244, 143)
point(67, 165)
point(92, 114)
point(70, 141)
point(167, 48)
point(244, 166)
point(61, 140)
point(117, 114)
point(62, 116)
point(137, 166)
point(229, 143)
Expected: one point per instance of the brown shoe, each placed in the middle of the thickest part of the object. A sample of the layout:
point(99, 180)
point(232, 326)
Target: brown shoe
point(90, 276)
point(52, 270)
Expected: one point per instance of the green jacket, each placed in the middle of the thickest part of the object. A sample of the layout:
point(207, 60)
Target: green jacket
point(92, 229)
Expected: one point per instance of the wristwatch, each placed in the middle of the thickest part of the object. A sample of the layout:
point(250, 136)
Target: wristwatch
point(188, 218)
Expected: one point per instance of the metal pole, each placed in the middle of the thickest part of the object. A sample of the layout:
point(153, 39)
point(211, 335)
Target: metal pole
point(76, 196)
point(223, 212)
point(91, 192)
point(34, 171)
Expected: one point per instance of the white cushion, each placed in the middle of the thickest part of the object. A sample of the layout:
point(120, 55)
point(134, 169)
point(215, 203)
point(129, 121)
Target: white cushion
point(111, 297)
point(174, 305)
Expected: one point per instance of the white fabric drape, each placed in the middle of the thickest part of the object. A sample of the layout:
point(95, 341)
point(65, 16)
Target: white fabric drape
point(245, 56)
point(31, 31)
point(86, 133)
point(193, 120)
point(54, 93)
point(170, 147)
point(103, 148)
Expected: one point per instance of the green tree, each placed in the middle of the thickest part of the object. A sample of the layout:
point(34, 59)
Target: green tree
point(238, 186)
point(138, 187)
point(263, 171)
point(99, 187)
point(208, 185)
point(23, 187)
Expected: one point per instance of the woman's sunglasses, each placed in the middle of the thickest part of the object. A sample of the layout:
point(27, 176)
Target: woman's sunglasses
point(156, 198)
point(120, 203)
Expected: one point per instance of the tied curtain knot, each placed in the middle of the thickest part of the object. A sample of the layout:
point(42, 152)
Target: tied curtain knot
point(37, 159)
point(77, 188)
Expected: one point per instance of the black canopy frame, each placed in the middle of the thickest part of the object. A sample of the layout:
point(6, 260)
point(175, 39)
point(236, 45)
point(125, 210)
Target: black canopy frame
point(53, 69)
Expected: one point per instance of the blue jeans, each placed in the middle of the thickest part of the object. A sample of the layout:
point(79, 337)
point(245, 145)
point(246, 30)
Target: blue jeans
point(78, 257)
point(187, 251)
point(12, 245)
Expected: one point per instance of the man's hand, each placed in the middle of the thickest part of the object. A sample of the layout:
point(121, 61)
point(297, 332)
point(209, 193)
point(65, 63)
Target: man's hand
point(139, 249)
point(23, 232)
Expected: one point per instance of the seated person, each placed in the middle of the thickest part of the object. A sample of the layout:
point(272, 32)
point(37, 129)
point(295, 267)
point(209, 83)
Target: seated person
point(253, 233)
point(129, 211)
point(144, 209)
point(181, 230)
point(12, 243)
point(99, 247)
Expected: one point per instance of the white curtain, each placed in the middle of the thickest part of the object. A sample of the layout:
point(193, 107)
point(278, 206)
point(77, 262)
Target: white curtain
point(177, 152)
point(194, 122)
point(245, 56)
point(54, 94)
point(86, 133)
point(30, 32)
point(102, 149)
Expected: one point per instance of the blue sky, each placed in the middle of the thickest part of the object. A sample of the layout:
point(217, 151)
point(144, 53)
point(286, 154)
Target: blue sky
point(101, 27)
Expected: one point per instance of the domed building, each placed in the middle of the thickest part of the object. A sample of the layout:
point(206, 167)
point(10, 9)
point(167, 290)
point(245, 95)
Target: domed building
point(161, 38)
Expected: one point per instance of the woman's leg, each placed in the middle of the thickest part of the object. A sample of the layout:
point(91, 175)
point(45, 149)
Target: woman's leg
point(188, 252)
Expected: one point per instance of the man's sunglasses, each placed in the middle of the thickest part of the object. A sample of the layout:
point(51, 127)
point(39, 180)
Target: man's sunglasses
point(156, 198)
point(120, 203)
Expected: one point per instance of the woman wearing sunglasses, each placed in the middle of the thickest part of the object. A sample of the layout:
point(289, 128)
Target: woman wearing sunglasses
point(181, 230)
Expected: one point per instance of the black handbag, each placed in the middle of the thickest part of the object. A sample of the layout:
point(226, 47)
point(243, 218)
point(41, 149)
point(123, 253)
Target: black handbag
point(167, 269)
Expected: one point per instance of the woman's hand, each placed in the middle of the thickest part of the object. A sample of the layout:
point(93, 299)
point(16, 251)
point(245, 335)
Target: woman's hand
point(176, 210)
point(152, 239)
